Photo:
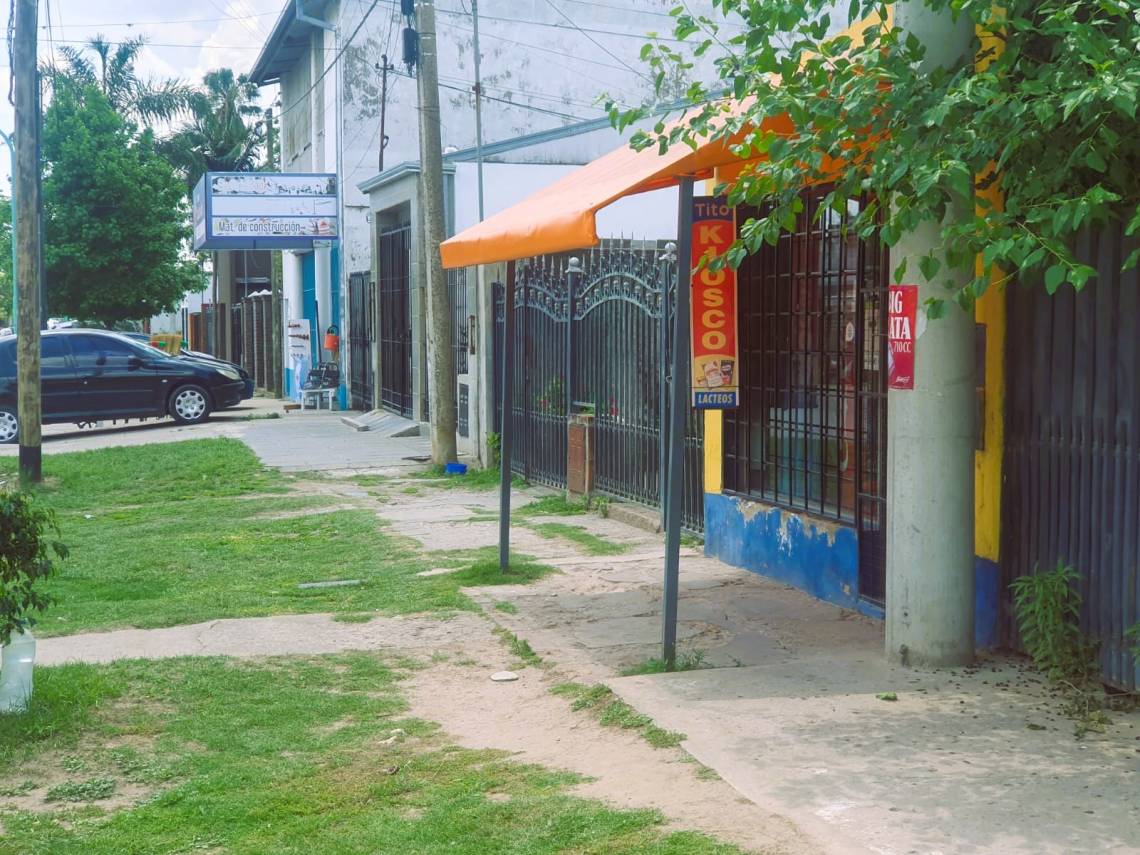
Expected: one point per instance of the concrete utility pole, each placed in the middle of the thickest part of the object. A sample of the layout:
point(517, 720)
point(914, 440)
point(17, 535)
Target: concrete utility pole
point(478, 106)
point(385, 67)
point(930, 436)
point(27, 192)
point(441, 363)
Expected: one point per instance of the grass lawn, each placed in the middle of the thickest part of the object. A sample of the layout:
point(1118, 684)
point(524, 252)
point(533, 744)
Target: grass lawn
point(191, 531)
point(276, 756)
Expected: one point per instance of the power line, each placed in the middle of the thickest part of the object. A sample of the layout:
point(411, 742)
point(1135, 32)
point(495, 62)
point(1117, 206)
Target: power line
point(605, 49)
point(104, 24)
point(163, 44)
point(334, 61)
point(245, 24)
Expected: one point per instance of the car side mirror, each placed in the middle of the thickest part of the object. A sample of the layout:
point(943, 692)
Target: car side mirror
point(134, 362)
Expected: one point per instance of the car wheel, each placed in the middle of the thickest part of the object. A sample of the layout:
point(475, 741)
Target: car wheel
point(9, 425)
point(189, 405)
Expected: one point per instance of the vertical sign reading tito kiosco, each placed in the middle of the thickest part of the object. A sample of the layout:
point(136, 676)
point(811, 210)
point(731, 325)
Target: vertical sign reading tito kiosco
point(715, 353)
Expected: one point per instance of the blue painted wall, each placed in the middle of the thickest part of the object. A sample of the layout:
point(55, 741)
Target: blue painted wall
point(821, 558)
point(318, 324)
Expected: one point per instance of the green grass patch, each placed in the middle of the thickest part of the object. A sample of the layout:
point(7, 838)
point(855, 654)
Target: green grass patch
point(82, 791)
point(354, 617)
point(506, 608)
point(474, 479)
point(290, 756)
point(600, 701)
point(590, 543)
point(689, 661)
point(519, 647)
point(486, 571)
point(192, 531)
point(553, 506)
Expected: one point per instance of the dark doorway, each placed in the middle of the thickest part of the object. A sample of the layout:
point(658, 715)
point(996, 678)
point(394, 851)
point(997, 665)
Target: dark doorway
point(395, 320)
point(361, 336)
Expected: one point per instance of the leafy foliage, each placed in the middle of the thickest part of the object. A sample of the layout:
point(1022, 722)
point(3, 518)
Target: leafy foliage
point(27, 558)
point(1048, 606)
point(116, 216)
point(220, 136)
point(5, 257)
point(1040, 112)
point(112, 71)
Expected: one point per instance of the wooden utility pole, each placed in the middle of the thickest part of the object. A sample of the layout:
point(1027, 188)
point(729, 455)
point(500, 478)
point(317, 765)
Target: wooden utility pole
point(441, 360)
point(28, 237)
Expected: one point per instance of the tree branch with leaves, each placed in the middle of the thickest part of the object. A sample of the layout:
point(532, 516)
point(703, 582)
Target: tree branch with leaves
point(1042, 115)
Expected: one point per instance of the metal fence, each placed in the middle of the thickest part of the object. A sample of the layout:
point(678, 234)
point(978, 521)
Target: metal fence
point(1072, 461)
point(361, 337)
point(257, 335)
point(617, 329)
point(394, 257)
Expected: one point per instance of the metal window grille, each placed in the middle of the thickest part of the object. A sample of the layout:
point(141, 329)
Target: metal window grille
point(811, 331)
point(457, 293)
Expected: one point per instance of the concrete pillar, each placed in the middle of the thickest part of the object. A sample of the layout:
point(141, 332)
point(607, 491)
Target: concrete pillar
point(930, 439)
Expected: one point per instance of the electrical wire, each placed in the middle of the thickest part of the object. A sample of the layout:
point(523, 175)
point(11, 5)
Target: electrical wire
point(604, 49)
point(105, 24)
point(332, 64)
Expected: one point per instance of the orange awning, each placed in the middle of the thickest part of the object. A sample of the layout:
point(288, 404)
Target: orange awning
point(561, 217)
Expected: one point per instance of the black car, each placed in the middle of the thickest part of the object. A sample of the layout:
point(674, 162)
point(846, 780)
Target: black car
point(203, 357)
point(91, 375)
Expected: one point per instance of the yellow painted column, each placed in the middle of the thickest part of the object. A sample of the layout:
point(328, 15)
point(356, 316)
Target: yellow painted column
point(990, 312)
point(714, 451)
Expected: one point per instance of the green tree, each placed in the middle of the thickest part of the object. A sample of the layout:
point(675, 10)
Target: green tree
point(112, 70)
point(6, 259)
point(222, 134)
point(1044, 112)
point(116, 215)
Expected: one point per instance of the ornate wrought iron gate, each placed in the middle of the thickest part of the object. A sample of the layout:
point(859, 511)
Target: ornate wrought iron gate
point(395, 308)
point(1072, 457)
point(615, 323)
point(361, 336)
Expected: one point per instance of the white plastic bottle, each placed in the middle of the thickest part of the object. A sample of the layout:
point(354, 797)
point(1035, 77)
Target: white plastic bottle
point(16, 661)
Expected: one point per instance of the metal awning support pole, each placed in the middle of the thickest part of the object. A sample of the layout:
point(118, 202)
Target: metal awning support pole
point(505, 435)
point(679, 407)
point(668, 258)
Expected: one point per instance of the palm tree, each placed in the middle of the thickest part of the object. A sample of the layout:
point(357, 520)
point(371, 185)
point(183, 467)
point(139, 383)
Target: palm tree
point(112, 70)
point(220, 135)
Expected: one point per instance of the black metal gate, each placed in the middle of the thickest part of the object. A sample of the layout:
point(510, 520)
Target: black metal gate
point(1072, 457)
point(617, 329)
point(395, 308)
point(361, 336)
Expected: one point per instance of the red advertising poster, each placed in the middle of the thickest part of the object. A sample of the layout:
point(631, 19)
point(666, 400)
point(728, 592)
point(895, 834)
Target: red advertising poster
point(902, 320)
point(715, 376)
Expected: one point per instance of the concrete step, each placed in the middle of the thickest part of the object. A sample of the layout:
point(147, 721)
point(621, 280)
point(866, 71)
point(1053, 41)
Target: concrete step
point(638, 516)
point(384, 423)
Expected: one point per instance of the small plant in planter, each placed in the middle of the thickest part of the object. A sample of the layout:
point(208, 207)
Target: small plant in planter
point(28, 556)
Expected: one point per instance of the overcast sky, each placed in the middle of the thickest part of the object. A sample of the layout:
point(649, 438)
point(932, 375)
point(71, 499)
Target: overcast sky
point(185, 38)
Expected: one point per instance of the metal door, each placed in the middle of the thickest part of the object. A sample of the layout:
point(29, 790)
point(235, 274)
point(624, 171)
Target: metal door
point(395, 320)
point(361, 336)
point(1072, 456)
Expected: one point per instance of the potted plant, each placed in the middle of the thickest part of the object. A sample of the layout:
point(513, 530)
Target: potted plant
point(28, 556)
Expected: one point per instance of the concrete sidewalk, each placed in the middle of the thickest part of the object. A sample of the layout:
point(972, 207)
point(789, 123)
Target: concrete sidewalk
point(320, 441)
point(975, 760)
